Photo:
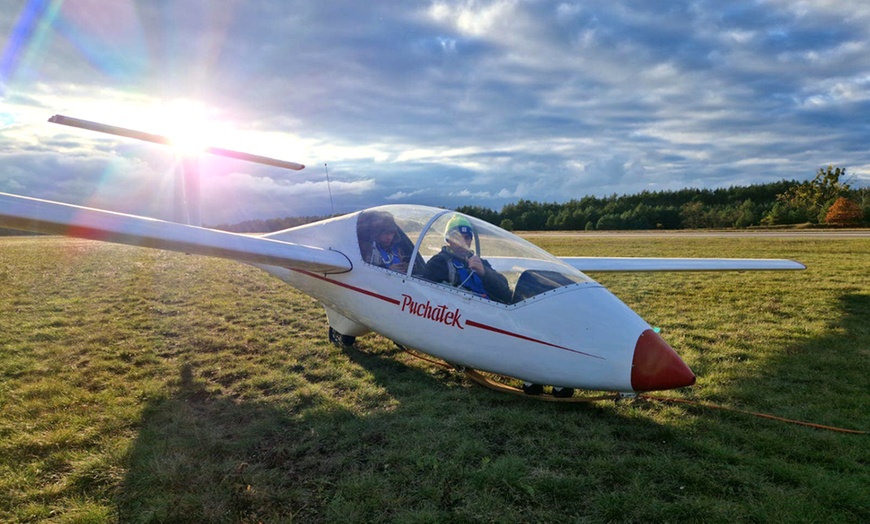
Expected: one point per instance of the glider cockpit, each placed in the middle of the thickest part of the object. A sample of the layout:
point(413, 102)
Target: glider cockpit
point(419, 234)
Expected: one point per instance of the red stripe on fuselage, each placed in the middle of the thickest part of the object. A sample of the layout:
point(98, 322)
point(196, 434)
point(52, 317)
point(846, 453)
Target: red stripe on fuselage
point(348, 286)
point(523, 337)
point(470, 323)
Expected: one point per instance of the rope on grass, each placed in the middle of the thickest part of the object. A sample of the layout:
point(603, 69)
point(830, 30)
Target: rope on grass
point(504, 388)
point(485, 381)
point(753, 413)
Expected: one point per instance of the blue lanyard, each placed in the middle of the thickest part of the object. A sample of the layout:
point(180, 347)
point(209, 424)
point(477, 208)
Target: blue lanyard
point(391, 257)
point(468, 278)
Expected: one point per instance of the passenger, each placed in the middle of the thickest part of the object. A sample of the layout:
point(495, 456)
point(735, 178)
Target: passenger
point(457, 265)
point(386, 249)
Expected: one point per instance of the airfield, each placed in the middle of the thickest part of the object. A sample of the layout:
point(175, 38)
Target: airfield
point(818, 234)
point(147, 386)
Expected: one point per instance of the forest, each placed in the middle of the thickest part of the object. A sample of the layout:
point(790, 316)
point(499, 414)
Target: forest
point(827, 200)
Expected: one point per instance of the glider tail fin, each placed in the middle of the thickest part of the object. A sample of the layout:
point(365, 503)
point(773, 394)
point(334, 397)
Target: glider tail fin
point(187, 184)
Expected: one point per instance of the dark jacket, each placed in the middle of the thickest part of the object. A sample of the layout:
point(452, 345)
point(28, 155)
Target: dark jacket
point(494, 283)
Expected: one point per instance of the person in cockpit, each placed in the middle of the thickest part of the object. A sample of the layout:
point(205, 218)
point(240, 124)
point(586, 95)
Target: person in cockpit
point(382, 245)
point(457, 265)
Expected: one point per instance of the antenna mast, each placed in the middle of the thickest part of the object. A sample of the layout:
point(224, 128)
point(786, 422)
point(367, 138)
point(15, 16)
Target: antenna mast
point(329, 187)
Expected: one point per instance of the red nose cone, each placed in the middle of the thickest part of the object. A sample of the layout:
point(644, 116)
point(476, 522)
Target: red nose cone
point(657, 366)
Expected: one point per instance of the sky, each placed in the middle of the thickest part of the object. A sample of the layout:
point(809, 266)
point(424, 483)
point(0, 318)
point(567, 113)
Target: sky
point(443, 103)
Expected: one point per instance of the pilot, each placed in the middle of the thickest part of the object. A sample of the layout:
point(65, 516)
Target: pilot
point(457, 265)
point(386, 250)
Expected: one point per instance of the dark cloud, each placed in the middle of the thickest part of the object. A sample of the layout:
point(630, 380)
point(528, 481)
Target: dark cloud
point(442, 103)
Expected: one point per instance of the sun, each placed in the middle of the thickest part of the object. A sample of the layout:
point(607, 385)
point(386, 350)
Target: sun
point(189, 126)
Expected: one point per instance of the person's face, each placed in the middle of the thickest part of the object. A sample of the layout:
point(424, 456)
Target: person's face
point(460, 241)
point(467, 238)
point(385, 238)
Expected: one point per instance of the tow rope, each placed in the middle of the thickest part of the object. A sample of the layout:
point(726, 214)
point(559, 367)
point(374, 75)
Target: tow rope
point(495, 385)
point(485, 381)
point(753, 413)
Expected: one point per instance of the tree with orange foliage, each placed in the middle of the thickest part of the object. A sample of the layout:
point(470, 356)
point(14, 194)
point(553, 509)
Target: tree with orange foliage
point(844, 212)
point(812, 197)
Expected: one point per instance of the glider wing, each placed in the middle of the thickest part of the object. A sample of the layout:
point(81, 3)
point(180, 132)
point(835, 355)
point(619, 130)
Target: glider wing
point(679, 264)
point(43, 216)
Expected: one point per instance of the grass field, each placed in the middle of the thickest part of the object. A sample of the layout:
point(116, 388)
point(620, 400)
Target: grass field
point(144, 386)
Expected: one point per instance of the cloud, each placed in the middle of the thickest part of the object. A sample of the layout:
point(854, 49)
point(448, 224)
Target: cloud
point(403, 195)
point(443, 103)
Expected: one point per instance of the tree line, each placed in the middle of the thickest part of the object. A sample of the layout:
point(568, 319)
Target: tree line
point(828, 199)
point(770, 204)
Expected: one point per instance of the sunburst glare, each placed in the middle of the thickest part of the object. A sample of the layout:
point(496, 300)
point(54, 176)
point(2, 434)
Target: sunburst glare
point(188, 124)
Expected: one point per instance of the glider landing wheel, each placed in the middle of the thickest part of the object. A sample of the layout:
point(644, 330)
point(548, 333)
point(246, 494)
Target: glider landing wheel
point(340, 340)
point(563, 392)
point(532, 389)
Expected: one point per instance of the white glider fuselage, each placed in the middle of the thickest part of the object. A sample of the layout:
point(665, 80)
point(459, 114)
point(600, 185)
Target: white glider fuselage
point(577, 335)
point(582, 337)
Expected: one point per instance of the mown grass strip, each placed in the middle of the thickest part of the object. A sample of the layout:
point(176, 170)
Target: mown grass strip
point(144, 386)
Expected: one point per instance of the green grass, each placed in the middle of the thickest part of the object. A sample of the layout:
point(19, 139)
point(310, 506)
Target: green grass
point(144, 386)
